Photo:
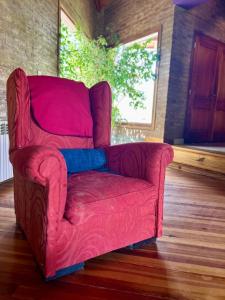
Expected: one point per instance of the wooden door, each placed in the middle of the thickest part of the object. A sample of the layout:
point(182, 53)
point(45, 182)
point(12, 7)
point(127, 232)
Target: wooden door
point(202, 92)
point(219, 114)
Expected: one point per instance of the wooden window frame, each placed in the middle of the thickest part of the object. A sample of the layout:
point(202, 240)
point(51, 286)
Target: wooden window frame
point(146, 126)
point(131, 38)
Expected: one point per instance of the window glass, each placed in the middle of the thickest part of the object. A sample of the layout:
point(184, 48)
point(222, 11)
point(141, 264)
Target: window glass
point(141, 115)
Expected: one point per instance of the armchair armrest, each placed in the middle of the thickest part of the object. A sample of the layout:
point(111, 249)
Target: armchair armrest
point(41, 187)
point(45, 166)
point(146, 161)
point(140, 160)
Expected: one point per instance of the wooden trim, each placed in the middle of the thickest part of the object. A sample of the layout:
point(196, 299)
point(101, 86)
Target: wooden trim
point(200, 159)
point(62, 7)
point(215, 94)
point(194, 150)
point(6, 181)
point(208, 37)
point(199, 35)
point(187, 117)
point(144, 126)
point(154, 140)
point(97, 5)
point(140, 35)
point(140, 126)
point(152, 127)
point(194, 170)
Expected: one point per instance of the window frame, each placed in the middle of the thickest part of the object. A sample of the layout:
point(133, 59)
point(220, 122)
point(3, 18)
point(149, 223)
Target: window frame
point(125, 40)
point(132, 38)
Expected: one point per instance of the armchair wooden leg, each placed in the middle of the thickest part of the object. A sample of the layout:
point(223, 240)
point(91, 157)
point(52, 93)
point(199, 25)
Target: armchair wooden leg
point(142, 243)
point(66, 271)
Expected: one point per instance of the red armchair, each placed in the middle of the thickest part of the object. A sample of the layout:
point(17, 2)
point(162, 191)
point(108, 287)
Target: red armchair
point(70, 219)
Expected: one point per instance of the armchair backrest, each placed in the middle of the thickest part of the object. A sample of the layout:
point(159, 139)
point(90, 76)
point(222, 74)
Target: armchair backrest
point(57, 112)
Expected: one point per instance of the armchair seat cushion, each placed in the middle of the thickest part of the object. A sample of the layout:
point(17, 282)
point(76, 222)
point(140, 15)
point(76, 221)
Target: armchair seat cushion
point(99, 193)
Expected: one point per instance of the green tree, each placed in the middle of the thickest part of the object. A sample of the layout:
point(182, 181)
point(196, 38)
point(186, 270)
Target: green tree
point(94, 60)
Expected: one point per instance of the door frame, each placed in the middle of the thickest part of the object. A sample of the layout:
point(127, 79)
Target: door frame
point(192, 62)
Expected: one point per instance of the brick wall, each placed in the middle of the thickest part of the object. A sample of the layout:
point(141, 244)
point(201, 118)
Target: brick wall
point(29, 36)
point(83, 12)
point(209, 19)
point(130, 18)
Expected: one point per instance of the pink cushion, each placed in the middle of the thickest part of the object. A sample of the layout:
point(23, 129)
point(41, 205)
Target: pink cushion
point(61, 106)
point(96, 193)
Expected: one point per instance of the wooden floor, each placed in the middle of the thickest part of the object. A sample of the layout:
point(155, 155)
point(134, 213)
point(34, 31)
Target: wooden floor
point(187, 263)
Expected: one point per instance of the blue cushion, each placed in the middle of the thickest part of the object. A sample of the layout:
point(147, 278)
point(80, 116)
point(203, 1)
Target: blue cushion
point(80, 160)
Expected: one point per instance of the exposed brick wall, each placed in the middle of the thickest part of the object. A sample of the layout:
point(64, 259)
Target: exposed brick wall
point(29, 36)
point(82, 12)
point(27, 39)
point(209, 19)
point(130, 18)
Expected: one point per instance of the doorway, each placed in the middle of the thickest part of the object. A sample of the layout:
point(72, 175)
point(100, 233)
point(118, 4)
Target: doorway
point(205, 121)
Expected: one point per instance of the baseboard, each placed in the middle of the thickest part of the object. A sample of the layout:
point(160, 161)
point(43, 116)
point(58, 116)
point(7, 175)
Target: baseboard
point(199, 171)
point(7, 181)
point(154, 140)
point(205, 160)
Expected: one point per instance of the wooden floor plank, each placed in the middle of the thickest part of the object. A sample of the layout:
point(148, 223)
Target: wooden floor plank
point(188, 262)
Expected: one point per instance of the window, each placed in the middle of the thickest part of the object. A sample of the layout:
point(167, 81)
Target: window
point(131, 70)
point(142, 116)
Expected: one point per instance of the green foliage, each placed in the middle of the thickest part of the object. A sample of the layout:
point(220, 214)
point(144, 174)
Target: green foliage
point(93, 60)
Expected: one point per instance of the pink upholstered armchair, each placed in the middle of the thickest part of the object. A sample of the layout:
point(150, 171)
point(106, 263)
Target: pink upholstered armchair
point(70, 218)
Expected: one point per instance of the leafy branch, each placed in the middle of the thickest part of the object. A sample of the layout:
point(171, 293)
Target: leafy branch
point(94, 60)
